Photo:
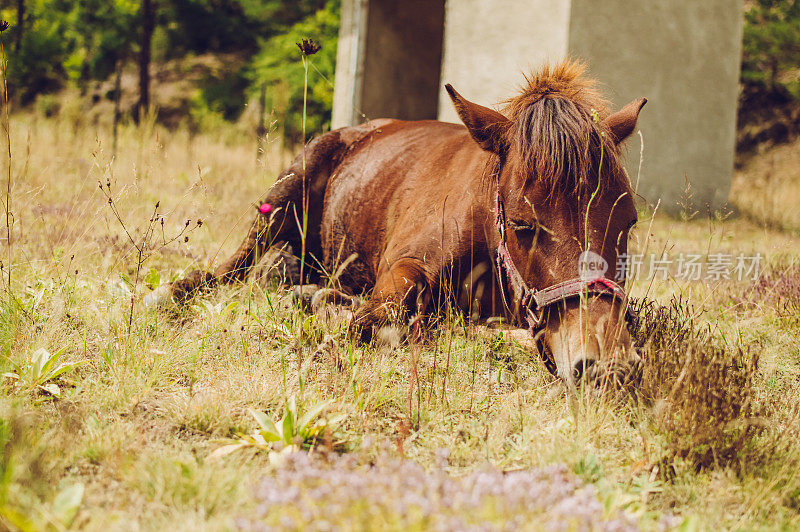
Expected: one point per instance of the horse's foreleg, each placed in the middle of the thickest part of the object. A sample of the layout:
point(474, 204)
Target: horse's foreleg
point(265, 232)
point(277, 227)
point(235, 268)
point(400, 294)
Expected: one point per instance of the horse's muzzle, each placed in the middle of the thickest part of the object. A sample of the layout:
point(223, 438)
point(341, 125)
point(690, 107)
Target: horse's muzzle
point(588, 343)
point(620, 372)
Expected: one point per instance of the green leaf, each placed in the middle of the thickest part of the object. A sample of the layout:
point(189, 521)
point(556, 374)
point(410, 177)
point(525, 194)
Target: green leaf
point(229, 308)
point(307, 323)
point(127, 280)
point(17, 519)
point(288, 424)
point(153, 279)
point(268, 429)
point(64, 368)
point(39, 360)
point(51, 362)
point(309, 416)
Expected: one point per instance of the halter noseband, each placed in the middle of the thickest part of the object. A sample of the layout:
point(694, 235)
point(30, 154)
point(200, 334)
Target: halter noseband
point(536, 301)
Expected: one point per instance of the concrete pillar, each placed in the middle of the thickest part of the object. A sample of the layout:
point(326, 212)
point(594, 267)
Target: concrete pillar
point(392, 56)
point(348, 81)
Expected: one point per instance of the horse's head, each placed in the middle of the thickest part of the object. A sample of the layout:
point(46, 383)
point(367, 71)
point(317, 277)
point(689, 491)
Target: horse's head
point(564, 208)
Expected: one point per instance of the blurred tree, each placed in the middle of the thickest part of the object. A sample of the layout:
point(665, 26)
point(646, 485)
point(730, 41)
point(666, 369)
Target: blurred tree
point(771, 44)
point(148, 20)
point(20, 24)
point(102, 33)
point(768, 101)
point(37, 64)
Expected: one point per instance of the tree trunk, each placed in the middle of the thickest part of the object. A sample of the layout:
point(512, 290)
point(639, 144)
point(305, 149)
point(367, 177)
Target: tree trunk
point(20, 23)
point(148, 21)
point(261, 130)
point(117, 95)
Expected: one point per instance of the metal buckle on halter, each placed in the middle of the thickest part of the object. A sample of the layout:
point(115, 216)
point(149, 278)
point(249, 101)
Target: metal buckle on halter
point(535, 321)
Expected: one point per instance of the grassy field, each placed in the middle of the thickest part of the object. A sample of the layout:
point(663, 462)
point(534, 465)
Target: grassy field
point(142, 419)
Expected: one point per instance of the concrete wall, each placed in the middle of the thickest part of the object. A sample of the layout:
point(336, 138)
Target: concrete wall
point(683, 55)
point(489, 44)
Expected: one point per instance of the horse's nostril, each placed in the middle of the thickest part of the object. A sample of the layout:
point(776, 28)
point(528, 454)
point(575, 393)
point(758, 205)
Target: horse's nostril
point(581, 368)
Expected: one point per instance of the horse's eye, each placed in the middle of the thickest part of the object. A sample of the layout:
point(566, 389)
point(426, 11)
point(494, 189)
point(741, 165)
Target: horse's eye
point(521, 226)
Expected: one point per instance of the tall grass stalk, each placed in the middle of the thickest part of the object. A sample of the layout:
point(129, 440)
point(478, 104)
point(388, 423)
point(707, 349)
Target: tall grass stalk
point(304, 227)
point(307, 49)
point(6, 128)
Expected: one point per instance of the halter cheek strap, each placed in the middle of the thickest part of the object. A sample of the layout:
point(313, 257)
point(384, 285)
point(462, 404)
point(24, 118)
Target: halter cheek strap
point(536, 301)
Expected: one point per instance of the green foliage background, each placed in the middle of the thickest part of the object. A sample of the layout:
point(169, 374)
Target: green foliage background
point(771, 45)
point(75, 42)
point(278, 66)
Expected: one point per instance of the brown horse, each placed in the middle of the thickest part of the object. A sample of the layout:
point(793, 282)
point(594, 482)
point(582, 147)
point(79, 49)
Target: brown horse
point(502, 209)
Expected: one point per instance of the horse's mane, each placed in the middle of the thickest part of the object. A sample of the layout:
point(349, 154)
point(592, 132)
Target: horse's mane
point(557, 133)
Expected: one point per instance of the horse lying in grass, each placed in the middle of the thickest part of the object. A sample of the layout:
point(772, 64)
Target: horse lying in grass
point(499, 213)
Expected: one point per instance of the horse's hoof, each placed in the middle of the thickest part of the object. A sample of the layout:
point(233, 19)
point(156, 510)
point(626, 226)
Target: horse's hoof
point(160, 297)
point(302, 295)
point(330, 296)
point(391, 336)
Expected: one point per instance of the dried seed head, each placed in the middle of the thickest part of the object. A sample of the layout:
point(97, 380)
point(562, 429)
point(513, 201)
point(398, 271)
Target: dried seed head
point(186, 239)
point(4, 25)
point(199, 223)
point(308, 47)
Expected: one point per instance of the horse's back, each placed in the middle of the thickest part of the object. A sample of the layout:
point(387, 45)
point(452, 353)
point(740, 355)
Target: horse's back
point(387, 196)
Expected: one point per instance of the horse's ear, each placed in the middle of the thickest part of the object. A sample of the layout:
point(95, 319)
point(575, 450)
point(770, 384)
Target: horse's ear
point(489, 128)
point(622, 123)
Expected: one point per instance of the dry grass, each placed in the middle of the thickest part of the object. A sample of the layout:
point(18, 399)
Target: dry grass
point(136, 423)
point(702, 394)
point(767, 188)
